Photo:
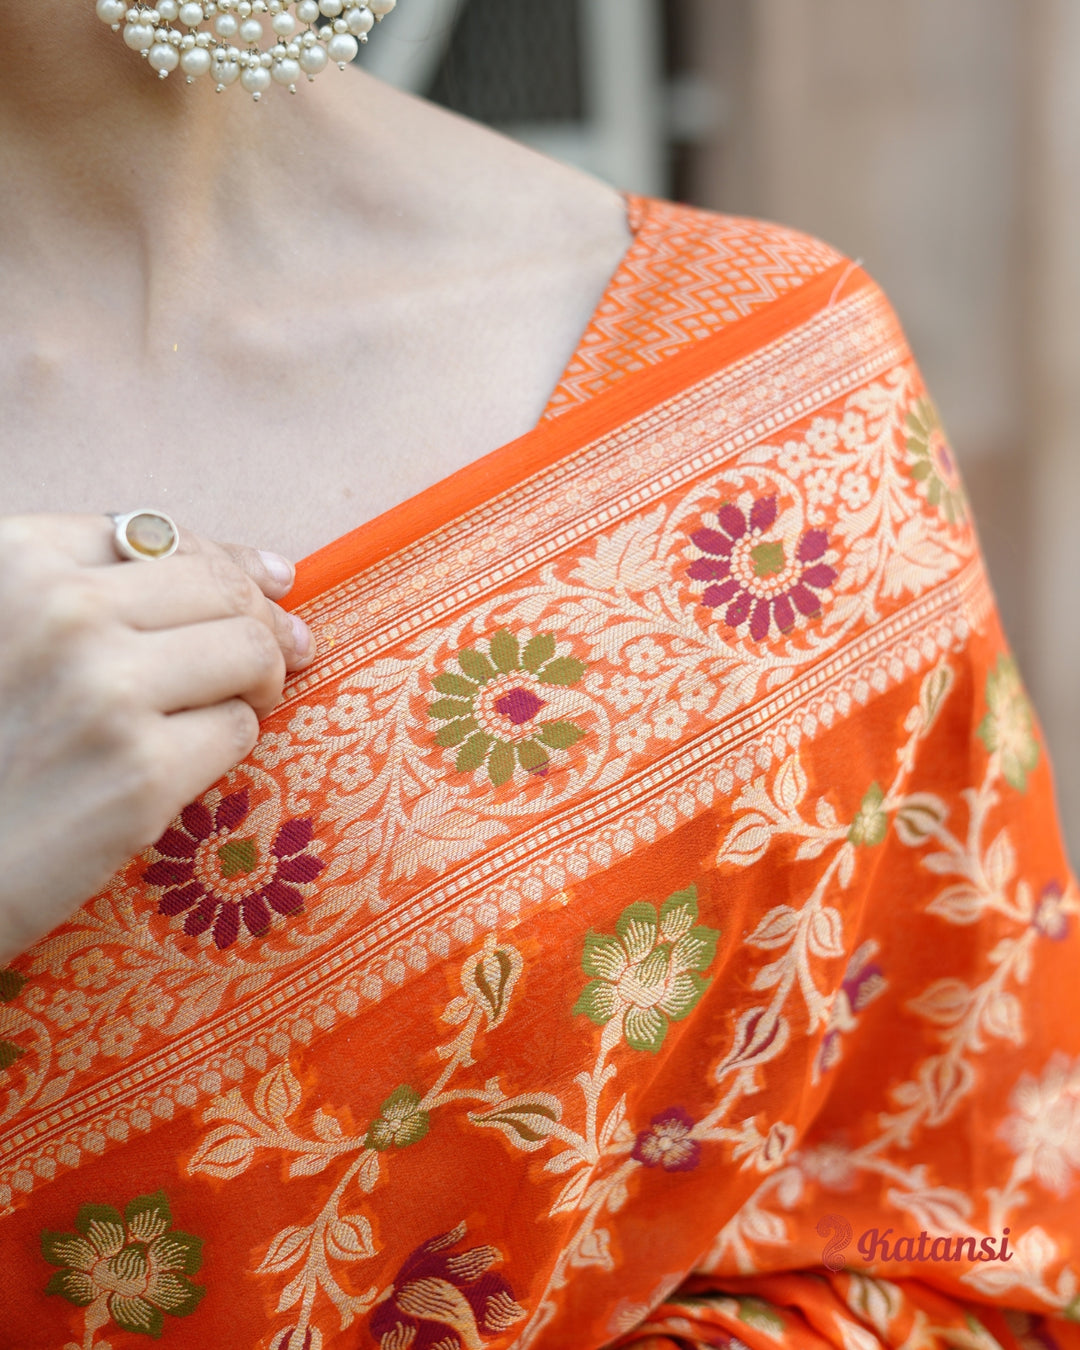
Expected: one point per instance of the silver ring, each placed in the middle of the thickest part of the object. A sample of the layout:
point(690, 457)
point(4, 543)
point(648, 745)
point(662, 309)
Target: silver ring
point(144, 535)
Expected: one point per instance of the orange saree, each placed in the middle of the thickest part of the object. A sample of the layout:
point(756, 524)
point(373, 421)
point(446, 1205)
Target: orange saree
point(645, 926)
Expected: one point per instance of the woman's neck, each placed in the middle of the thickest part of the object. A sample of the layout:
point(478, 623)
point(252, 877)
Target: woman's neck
point(112, 174)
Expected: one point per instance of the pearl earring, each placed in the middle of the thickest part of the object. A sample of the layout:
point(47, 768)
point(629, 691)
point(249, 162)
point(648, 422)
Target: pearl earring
point(307, 36)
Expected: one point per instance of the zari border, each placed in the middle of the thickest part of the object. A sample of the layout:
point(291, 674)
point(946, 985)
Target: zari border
point(652, 803)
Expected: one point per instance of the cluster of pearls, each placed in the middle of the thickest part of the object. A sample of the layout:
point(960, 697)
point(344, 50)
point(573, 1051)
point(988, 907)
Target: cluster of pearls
point(308, 35)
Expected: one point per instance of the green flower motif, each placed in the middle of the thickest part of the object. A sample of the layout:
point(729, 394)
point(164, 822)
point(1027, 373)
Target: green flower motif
point(933, 462)
point(490, 711)
point(756, 1312)
point(646, 974)
point(871, 823)
point(134, 1267)
point(400, 1123)
point(1008, 727)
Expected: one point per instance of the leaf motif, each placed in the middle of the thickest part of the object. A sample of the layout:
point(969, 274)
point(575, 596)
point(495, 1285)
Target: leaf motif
point(504, 650)
point(935, 689)
point(527, 1121)
point(625, 559)
point(776, 928)
point(309, 1164)
point(945, 1081)
point(370, 1170)
point(564, 670)
point(789, 787)
point(277, 1095)
point(560, 735)
point(293, 1291)
point(11, 984)
point(959, 904)
point(1002, 1017)
point(538, 651)
point(569, 1198)
point(327, 1127)
point(290, 1246)
point(919, 817)
point(225, 1152)
point(349, 1238)
point(198, 1005)
point(1000, 864)
point(825, 813)
point(813, 847)
point(475, 666)
point(826, 933)
point(9, 1053)
point(944, 1002)
point(593, 1248)
point(747, 841)
point(562, 1162)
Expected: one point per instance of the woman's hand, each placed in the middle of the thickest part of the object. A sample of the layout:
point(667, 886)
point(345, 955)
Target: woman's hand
point(126, 689)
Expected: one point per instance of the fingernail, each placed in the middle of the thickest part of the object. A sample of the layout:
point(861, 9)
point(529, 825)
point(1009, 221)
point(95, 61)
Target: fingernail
point(281, 569)
point(302, 636)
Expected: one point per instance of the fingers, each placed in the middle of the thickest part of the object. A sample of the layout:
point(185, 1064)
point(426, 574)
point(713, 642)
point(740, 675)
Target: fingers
point(88, 541)
point(198, 746)
point(272, 573)
point(199, 588)
point(207, 663)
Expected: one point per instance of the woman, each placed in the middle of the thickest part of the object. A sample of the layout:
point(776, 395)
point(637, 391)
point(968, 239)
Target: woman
point(623, 929)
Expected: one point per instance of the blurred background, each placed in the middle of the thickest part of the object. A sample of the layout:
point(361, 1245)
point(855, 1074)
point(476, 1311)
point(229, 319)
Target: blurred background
point(936, 141)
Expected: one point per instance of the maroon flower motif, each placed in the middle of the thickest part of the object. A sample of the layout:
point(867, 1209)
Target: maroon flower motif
point(668, 1142)
point(864, 980)
point(442, 1298)
point(1050, 919)
point(753, 575)
point(216, 875)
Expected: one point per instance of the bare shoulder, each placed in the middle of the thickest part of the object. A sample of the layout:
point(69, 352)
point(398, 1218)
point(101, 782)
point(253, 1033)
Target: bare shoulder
point(483, 199)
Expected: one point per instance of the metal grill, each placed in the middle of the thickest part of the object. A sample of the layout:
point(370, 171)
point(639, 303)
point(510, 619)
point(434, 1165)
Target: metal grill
point(513, 61)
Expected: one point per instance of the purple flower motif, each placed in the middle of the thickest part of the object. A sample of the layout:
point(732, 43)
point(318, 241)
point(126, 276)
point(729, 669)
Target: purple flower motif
point(1050, 919)
point(753, 576)
point(864, 980)
point(445, 1300)
point(217, 876)
point(668, 1142)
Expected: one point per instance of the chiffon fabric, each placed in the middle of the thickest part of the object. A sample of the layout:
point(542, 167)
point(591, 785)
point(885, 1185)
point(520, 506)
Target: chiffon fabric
point(645, 926)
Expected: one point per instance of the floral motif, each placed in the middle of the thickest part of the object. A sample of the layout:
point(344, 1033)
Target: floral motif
point(757, 576)
point(491, 710)
point(669, 1142)
point(863, 981)
point(1008, 727)
point(646, 975)
point(218, 875)
point(933, 464)
point(132, 1268)
point(1050, 919)
point(1045, 1124)
point(400, 1122)
point(445, 1300)
point(871, 823)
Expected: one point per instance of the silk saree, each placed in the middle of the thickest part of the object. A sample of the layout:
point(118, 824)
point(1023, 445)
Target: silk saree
point(645, 925)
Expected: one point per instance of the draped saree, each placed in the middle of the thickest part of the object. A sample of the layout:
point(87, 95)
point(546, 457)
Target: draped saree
point(645, 925)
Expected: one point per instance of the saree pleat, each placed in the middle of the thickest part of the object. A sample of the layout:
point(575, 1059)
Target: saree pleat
point(646, 925)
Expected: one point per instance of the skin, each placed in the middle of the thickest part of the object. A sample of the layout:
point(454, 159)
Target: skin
point(274, 322)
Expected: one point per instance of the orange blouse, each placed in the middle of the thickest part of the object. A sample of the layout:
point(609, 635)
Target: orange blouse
point(645, 925)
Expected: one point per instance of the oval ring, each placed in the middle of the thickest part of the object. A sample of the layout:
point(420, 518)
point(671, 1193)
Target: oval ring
point(145, 535)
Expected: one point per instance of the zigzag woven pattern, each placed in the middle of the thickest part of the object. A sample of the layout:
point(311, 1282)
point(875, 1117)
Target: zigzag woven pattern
point(687, 274)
